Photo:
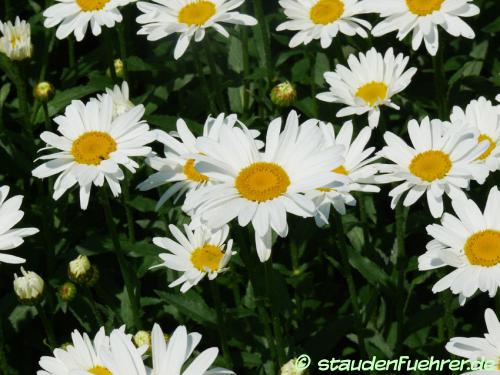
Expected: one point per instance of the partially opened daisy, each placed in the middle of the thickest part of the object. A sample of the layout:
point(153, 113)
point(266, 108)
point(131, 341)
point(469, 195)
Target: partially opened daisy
point(169, 358)
point(357, 168)
point(189, 18)
point(75, 16)
point(370, 81)
point(468, 241)
point(10, 215)
point(439, 161)
point(484, 117)
point(197, 253)
point(322, 19)
point(15, 41)
point(482, 349)
point(120, 97)
point(82, 356)
point(93, 146)
point(422, 17)
point(178, 166)
point(262, 187)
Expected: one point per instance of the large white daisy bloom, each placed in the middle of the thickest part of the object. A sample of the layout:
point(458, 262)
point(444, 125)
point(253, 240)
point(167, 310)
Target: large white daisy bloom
point(74, 16)
point(92, 147)
point(357, 168)
point(261, 187)
point(469, 242)
point(83, 356)
point(480, 349)
point(189, 18)
point(178, 166)
point(368, 83)
point(484, 117)
point(440, 160)
point(120, 97)
point(423, 18)
point(169, 358)
point(10, 215)
point(197, 253)
point(15, 41)
point(322, 19)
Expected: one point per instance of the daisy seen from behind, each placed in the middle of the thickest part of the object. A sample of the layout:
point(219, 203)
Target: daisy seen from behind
point(368, 82)
point(10, 215)
point(262, 187)
point(75, 16)
point(92, 147)
point(422, 18)
point(15, 41)
point(168, 358)
point(468, 241)
point(440, 160)
point(189, 18)
point(484, 349)
point(483, 116)
point(120, 96)
point(322, 19)
point(357, 168)
point(197, 253)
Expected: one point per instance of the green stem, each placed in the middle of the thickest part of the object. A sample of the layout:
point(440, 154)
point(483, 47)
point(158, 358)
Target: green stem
point(351, 286)
point(71, 52)
point(217, 87)
point(266, 38)
point(93, 306)
point(401, 216)
point(128, 211)
point(441, 84)
point(123, 48)
point(14, 73)
point(221, 322)
point(246, 67)
point(364, 218)
point(47, 325)
point(46, 115)
point(133, 294)
point(204, 83)
point(109, 54)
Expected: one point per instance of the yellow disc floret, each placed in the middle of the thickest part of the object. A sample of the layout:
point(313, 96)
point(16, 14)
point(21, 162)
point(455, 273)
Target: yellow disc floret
point(430, 165)
point(326, 11)
point(197, 13)
point(93, 147)
point(262, 181)
point(207, 256)
point(483, 248)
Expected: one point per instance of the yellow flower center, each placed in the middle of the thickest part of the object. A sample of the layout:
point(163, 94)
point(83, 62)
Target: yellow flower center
point(208, 256)
point(326, 11)
point(14, 40)
point(424, 7)
point(197, 13)
point(192, 174)
point(372, 92)
point(99, 370)
point(93, 147)
point(340, 170)
point(262, 181)
point(491, 147)
point(483, 248)
point(91, 5)
point(431, 165)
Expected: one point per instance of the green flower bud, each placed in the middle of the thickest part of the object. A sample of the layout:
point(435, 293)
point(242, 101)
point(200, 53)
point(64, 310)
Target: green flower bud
point(95, 277)
point(44, 91)
point(80, 270)
point(284, 94)
point(67, 291)
point(119, 68)
point(142, 338)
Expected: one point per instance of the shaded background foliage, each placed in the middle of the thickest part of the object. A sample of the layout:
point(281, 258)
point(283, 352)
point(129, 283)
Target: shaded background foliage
point(313, 307)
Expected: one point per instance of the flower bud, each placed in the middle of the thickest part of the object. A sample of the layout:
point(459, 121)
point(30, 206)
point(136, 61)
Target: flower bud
point(80, 270)
point(44, 91)
point(284, 94)
point(67, 291)
point(94, 278)
point(293, 367)
point(28, 287)
point(66, 346)
point(119, 68)
point(142, 338)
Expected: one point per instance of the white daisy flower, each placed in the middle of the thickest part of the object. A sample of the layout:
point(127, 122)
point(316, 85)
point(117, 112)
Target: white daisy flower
point(83, 356)
point(16, 40)
point(178, 166)
point(120, 97)
point(189, 18)
point(439, 161)
point(74, 16)
point(469, 242)
point(169, 358)
point(10, 215)
point(261, 187)
point(480, 349)
point(92, 147)
point(484, 117)
point(322, 19)
point(423, 18)
point(357, 169)
point(368, 83)
point(197, 254)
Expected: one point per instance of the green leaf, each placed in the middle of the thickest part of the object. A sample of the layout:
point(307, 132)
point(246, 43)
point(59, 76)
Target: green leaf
point(192, 305)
